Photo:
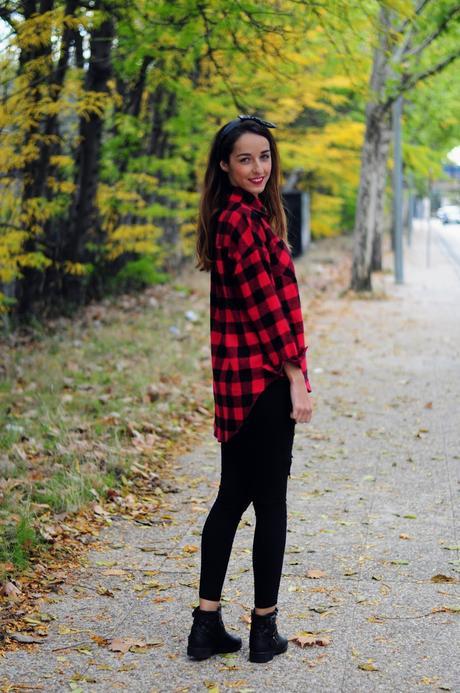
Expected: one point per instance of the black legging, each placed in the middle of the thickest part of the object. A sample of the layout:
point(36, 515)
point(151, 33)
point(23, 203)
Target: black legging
point(255, 465)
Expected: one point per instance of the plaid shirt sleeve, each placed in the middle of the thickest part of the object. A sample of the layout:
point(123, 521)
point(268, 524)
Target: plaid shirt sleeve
point(256, 287)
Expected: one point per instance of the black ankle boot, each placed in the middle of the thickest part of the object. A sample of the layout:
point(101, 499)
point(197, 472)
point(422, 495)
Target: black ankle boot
point(264, 639)
point(208, 635)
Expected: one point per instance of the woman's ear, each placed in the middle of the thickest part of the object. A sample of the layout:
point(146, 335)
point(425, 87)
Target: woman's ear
point(223, 166)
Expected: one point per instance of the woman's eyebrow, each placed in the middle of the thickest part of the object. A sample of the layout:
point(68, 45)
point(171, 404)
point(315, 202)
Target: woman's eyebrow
point(249, 153)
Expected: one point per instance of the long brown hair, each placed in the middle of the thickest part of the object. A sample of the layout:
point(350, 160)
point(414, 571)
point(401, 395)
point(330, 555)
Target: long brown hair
point(217, 186)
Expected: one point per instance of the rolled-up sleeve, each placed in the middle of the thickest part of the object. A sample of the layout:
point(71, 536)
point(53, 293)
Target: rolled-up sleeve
point(260, 300)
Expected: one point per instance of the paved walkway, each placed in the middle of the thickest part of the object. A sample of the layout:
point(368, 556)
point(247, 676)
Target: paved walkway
point(373, 505)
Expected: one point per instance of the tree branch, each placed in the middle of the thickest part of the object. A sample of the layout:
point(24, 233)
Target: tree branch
point(409, 81)
point(12, 226)
point(437, 32)
point(418, 11)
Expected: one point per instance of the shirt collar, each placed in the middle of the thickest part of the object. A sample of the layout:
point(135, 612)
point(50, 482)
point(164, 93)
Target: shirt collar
point(238, 194)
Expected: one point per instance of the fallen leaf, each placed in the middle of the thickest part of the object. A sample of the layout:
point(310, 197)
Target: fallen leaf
point(124, 645)
point(367, 666)
point(9, 589)
point(26, 639)
point(83, 677)
point(454, 609)
point(315, 573)
point(442, 578)
point(212, 686)
point(67, 630)
point(99, 640)
point(236, 684)
point(311, 639)
point(321, 608)
point(190, 548)
point(128, 667)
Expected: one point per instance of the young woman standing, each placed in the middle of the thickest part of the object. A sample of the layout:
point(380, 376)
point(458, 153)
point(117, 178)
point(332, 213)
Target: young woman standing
point(260, 379)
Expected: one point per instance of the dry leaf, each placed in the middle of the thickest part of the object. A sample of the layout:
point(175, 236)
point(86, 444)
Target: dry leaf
point(368, 666)
point(454, 609)
point(25, 639)
point(9, 589)
point(190, 548)
point(212, 686)
point(99, 640)
point(442, 578)
point(311, 639)
point(124, 645)
point(315, 573)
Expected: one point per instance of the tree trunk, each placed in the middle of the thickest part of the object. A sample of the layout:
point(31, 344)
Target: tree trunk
point(366, 208)
point(84, 222)
point(373, 164)
point(376, 260)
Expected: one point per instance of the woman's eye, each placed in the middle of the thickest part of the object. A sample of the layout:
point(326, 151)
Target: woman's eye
point(245, 159)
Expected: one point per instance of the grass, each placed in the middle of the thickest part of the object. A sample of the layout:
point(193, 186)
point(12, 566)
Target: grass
point(73, 392)
point(17, 542)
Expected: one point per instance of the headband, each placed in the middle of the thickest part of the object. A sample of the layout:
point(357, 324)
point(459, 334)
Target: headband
point(233, 123)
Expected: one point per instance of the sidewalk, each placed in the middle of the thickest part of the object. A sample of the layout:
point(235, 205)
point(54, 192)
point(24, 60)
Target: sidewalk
point(373, 505)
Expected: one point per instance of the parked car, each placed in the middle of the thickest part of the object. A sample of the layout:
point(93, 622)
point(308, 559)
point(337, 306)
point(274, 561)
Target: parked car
point(449, 214)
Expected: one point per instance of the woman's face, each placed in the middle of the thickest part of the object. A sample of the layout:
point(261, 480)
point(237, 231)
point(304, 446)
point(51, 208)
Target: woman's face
point(250, 163)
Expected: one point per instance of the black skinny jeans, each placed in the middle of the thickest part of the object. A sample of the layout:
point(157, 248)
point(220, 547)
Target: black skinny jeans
point(255, 465)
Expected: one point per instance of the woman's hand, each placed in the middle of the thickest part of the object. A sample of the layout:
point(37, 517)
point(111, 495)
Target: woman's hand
point(302, 405)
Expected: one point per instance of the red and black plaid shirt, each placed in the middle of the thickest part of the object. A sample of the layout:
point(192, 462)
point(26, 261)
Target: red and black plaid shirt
point(255, 312)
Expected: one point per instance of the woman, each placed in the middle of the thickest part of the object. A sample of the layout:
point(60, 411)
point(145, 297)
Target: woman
point(260, 379)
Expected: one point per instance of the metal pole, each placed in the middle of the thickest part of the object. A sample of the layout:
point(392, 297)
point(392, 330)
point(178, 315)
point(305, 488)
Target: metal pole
point(429, 229)
point(397, 191)
point(410, 213)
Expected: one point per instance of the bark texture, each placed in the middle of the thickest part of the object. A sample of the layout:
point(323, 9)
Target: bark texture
point(373, 168)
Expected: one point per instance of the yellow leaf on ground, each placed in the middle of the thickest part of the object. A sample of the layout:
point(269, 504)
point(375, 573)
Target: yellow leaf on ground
point(368, 666)
point(190, 548)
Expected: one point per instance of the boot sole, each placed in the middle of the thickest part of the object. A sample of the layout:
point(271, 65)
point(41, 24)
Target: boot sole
point(200, 652)
point(206, 652)
point(263, 657)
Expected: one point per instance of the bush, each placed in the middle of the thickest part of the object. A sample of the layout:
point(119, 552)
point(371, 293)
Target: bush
point(138, 274)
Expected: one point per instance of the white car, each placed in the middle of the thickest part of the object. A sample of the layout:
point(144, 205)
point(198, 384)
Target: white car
point(449, 214)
